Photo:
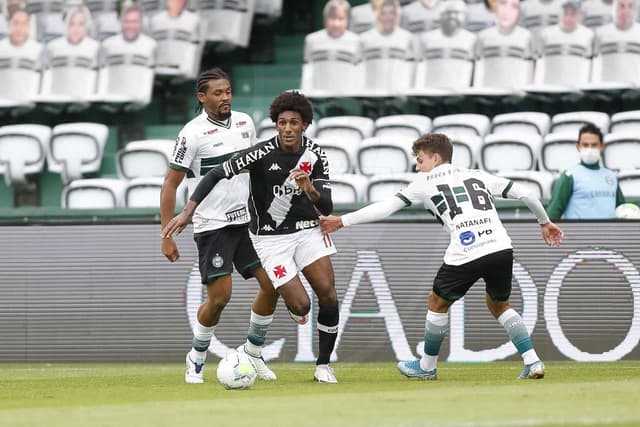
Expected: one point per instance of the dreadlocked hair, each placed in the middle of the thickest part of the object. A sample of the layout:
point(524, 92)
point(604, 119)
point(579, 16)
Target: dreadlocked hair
point(291, 101)
point(203, 81)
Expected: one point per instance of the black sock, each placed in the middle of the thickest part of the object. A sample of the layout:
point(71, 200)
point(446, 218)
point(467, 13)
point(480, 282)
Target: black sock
point(327, 332)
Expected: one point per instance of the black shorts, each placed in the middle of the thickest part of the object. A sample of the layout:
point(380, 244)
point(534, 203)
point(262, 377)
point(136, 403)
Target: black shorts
point(453, 281)
point(219, 250)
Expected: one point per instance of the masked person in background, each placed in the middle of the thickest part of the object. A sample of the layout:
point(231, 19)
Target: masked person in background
point(586, 190)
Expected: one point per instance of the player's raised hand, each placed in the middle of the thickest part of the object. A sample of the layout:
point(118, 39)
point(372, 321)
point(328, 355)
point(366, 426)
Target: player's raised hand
point(552, 234)
point(302, 179)
point(331, 223)
point(170, 249)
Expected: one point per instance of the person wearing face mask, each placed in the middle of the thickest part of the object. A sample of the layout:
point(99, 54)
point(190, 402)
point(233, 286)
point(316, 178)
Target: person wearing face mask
point(586, 190)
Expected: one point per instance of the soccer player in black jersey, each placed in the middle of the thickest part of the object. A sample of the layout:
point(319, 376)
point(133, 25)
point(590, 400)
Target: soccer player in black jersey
point(289, 176)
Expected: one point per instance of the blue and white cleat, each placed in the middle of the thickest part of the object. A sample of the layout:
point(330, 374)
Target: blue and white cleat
point(532, 371)
point(412, 369)
point(193, 372)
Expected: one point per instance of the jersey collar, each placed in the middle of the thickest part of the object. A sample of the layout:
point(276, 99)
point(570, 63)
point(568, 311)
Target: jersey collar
point(224, 124)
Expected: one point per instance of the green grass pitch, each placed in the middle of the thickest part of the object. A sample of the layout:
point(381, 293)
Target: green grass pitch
point(368, 395)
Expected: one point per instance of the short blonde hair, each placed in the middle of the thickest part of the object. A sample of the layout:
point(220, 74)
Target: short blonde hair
point(332, 5)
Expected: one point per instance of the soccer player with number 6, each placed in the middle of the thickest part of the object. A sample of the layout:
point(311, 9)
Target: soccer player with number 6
point(462, 200)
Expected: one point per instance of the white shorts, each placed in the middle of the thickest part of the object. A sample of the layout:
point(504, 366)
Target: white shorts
point(284, 255)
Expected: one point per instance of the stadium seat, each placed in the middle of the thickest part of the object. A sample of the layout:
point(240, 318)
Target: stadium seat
point(387, 185)
point(478, 17)
point(341, 154)
point(466, 149)
point(384, 155)
point(502, 68)
point(621, 151)
point(539, 183)
point(68, 82)
point(97, 193)
point(362, 18)
point(573, 121)
point(596, 13)
point(146, 158)
point(402, 126)
point(179, 48)
point(506, 152)
point(48, 15)
point(348, 188)
point(19, 85)
point(454, 125)
point(75, 149)
point(521, 122)
point(22, 151)
point(558, 151)
point(270, 9)
point(445, 62)
point(629, 182)
point(105, 17)
point(626, 121)
point(227, 22)
point(348, 128)
point(144, 192)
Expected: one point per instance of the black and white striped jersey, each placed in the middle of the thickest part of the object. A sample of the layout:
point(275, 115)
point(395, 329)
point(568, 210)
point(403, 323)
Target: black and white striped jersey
point(276, 203)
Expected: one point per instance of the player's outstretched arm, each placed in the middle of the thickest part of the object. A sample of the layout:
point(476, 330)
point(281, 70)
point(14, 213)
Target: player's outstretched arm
point(552, 234)
point(371, 213)
point(180, 221)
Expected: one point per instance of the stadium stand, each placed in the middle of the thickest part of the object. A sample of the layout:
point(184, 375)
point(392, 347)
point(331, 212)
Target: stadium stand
point(621, 151)
point(421, 15)
point(349, 128)
point(626, 121)
point(572, 121)
point(522, 122)
point(341, 154)
point(538, 183)
point(386, 185)
point(558, 151)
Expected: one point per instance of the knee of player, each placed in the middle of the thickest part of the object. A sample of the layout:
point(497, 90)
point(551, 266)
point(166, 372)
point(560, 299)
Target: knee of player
point(219, 301)
point(301, 307)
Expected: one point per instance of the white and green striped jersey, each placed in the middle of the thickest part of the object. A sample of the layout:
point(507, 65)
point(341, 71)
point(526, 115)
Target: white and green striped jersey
point(204, 143)
point(462, 199)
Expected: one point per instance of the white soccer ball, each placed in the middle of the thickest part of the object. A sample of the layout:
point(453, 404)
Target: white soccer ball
point(236, 371)
point(628, 211)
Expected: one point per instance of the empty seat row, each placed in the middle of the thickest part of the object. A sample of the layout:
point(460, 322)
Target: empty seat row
point(70, 149)
point(110, 193)
point(357, 128)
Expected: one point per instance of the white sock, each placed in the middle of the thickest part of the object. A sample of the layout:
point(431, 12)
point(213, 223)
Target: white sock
point(530, 356)
point(201, 334)
point(435, 322)
point(427, 363)
point(258, 327)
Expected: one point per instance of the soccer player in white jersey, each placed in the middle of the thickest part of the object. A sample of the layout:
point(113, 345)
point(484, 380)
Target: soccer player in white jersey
point(462, 200)
point(220, 223)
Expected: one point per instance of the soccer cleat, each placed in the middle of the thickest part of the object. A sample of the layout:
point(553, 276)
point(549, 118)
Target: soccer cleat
point(300, 320)
point(193, 372)
point(412, 369)
point(264, 373)
point(532, 371)
point(325, 374)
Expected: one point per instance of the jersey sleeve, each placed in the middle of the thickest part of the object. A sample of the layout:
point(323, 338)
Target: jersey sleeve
point(320, 180)
point(184, 151)
point(498, 186)
point(411, 194)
